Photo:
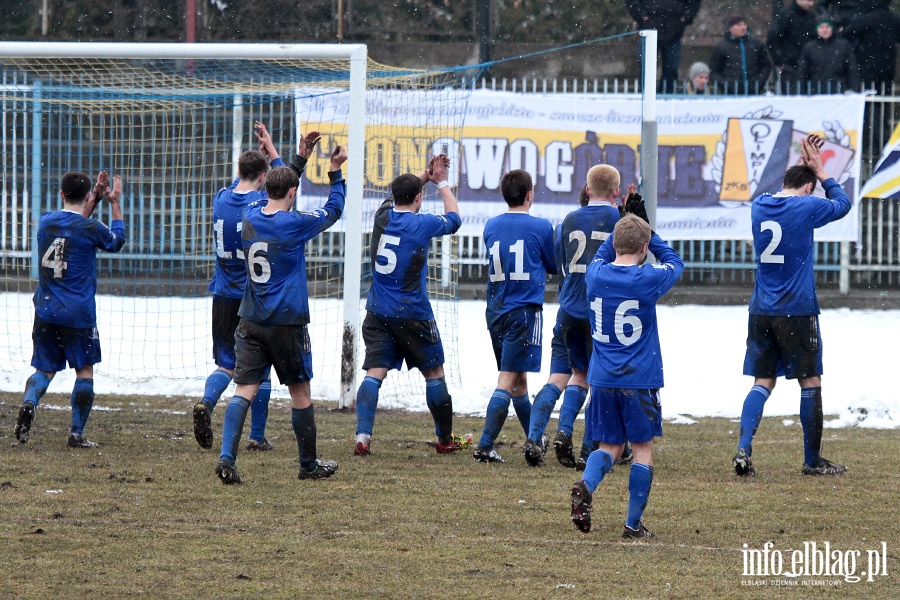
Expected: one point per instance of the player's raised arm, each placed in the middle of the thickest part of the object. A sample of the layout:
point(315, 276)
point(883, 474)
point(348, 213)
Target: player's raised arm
point(305, 148)
point(266, 146)
point(115, 196)
point(100, 191)
point(437, 170)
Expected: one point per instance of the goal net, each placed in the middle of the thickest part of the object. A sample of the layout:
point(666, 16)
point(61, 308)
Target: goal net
point(172, 120)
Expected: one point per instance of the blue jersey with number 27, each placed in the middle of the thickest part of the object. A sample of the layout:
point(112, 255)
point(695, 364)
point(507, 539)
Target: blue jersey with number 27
point(783, 229)
point(521, 253)
point(622, 302)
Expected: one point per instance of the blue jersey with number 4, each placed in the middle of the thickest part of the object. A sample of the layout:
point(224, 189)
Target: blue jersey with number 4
point(67, 246)
point(520, 254)
point(622, 302)
point(783, 229)
point(399, 255)
point(230, 276)
point(275, 251)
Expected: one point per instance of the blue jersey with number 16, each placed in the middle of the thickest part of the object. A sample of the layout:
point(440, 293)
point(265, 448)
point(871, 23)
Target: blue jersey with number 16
point(520, 251)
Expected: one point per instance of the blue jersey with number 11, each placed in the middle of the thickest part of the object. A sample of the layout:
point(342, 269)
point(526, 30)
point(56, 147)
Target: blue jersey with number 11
point(521, 253)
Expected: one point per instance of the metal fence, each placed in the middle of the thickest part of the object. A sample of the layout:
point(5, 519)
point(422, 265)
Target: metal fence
point(169, 231)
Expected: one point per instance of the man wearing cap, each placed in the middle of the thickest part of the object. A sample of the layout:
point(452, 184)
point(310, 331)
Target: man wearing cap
point(698, 80)
point(827, 64)
point(739, 63)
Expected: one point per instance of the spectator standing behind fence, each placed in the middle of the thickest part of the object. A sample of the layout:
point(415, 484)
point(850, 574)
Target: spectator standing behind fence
point(669, 18)
point(791, 30)
point(698, 82)
point(827, 64)
point(846, 11)
point(874, 37)
point(739, 63)
point(65, 311)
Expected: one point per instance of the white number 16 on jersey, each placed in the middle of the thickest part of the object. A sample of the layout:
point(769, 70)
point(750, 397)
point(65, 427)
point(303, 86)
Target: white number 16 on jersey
point(621, 320)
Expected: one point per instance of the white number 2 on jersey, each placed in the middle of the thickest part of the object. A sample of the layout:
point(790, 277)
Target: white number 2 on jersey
point(518, 274)
point(389, 255)
point(768, 255)
point(621, 320)
point(54, 258)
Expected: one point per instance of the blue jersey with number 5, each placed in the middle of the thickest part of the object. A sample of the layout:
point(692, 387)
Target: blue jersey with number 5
point(622, 302)
point(520, 254)
point(275, 250)
point(783, 229)
point(67, 246)
point(399, 254)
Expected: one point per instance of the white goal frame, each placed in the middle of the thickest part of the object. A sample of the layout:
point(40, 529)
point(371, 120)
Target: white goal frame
point(356, 54)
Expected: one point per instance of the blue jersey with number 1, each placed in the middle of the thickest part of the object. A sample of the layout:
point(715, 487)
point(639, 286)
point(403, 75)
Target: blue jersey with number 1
point(67, 246)
point(275, 251)
point(230, 277)
point(520, 254)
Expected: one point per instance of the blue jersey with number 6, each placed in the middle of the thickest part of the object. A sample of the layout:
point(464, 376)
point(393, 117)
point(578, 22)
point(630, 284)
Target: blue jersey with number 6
point(67, 245)
point(622, 302)
point(399, 254)
point(275, 251)
point(783, 229)
point(520, 254)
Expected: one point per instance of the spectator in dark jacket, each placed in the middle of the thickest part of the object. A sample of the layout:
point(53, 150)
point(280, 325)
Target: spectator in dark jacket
point(827, 65)
point(739, 63)
point(874, 36)
point(845, 11)
point(790, 31)
point(669, 18)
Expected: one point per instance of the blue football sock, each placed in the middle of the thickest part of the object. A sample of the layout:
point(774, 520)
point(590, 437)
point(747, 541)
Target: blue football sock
point(216, 384)
point(36, 387)
point(259, 411)
point(497, 411)
point(303, 420)
point(751, 415)
point(233, 427)
point(440, 403)
point(599, 463)
point(811, 418)
point(366, 402)
point(522, 406)
point(82, 401)
point(573, 400)
point(544, 403)
point(639, 482)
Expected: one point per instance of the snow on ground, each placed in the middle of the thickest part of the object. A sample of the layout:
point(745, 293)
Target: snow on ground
point(702, 346)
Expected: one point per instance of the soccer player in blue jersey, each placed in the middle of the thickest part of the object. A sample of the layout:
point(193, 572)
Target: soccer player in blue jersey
point(520, 251)
point(65, 311)
point(399, 324)
point(230, 277)
point(583, 230)
point(783, 336)
point(625, 371)
point(274, 312)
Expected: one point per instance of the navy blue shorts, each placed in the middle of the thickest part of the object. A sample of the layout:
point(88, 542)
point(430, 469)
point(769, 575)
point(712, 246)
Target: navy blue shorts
point(783, 346)
point(576, 335)
point(224, 323)
point(516, 337)
point(55, 345)
point(284, 347)
point(559, 358)
point(615, 415)
point(391, 340)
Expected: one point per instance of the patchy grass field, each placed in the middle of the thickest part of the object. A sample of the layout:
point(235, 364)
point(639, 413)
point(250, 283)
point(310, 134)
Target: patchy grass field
point(145, 515)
